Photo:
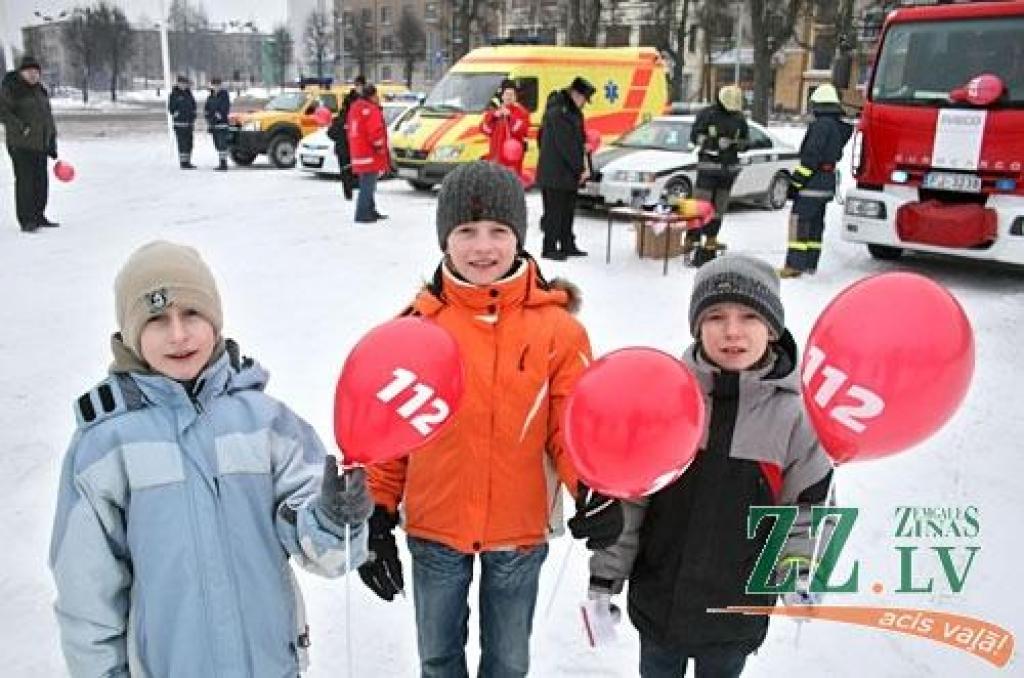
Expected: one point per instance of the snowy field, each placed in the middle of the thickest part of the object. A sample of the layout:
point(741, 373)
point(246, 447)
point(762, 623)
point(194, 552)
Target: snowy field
point(301, 283)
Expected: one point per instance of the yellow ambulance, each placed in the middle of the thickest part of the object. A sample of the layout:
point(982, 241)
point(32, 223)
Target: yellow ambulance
point(445, 131)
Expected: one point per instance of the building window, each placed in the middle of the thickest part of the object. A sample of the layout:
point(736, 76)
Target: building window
point(430, 10)
point(653, 35)
point(385, 15)
point(387, 43)
point(617, 36)
point(691, 40)
point(385, 72)
point(824, 50)
point(367, 16)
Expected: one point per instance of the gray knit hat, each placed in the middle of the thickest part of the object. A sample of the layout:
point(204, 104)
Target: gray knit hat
point(742, 280)
point(479, 191)
point(157, 275)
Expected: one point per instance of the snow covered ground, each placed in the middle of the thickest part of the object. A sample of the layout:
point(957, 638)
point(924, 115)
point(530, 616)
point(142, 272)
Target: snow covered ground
point(301, 283)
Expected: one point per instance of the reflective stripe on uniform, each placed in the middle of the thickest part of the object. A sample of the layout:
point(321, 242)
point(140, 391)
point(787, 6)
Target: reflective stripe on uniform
point(805, 171)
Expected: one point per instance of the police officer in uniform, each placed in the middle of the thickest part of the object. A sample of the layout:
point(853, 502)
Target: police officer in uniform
point(216, 110)
point(182, 107)
point(720, 132)
point(813, 183)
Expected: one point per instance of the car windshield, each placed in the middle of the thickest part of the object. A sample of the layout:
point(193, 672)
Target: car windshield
point(469, 92)
point(287, 101)
point(392, 112)
point(920, 62)
point(667, 135)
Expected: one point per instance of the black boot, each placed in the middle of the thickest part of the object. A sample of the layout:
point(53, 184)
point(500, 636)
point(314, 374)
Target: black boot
point(703, 255)
point(29, 228)
point(43, 221)
point(223, 166)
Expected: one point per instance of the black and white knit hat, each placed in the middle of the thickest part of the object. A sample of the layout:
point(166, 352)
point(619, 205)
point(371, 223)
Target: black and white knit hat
point(738, 279)
point(480, 191)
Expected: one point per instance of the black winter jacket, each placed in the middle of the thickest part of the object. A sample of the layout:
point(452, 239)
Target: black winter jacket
point(182, 107)
point(25, 112)
point(561, 140)
point(338, 130)
point(719, 135)
point(820, 151)
point(217, 108)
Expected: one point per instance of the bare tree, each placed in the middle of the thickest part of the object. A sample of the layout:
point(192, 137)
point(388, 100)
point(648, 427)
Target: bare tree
point(115, 40)
point(281, 52)
point(360, 40)
point(411, 42)
point(82, 40)
point(715, 22)
point(189, 39)
point(772, 23)
point(317, 40)
point(584, 20)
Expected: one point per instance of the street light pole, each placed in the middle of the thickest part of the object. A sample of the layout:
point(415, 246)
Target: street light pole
point(6, 34)
point(165, 57)
point(738, 33)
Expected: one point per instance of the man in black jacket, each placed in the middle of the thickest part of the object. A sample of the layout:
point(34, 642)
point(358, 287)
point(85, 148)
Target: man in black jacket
point(562, 167)
point(31, 136)
point(182, 107)
point(813, 182)
point(216, 111)
point(720, 132)
point(338, 132)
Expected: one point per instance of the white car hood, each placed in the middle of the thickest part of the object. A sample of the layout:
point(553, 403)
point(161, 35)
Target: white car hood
point(317, 138)
point(649, 160)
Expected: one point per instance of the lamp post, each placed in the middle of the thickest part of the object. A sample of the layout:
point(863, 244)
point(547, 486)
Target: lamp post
point(738, 33)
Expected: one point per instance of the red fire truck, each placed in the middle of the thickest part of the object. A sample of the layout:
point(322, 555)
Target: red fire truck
point(938, 152)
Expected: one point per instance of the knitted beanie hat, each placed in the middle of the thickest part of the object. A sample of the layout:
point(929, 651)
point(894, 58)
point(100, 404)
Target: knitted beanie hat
point(157, 275)
point(738, 279)
point(479, 191)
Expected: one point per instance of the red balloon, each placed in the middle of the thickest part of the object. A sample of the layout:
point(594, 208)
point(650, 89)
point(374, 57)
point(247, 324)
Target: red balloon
point(63, 171)
point(633, 422)
point(984, 89)
point(323, 116)
point(593, 139)
point(399, 388)
point(887, 364)
point(512, 151)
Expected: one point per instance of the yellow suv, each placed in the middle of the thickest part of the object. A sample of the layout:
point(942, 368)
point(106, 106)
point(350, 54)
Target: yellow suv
point(277, 129)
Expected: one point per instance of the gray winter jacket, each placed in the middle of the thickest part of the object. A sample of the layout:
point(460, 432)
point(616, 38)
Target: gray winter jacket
point(685, 548)
point(25, 113)
point(177, 516)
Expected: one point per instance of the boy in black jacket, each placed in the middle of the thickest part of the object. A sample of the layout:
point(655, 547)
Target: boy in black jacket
point(685, 549)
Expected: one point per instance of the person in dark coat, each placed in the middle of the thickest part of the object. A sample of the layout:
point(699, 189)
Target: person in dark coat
point(182, 107)
point(720, 132)
point(813, 182)
point(562, 167)
point(31, 136)
point(216, 110)
point(338, 133)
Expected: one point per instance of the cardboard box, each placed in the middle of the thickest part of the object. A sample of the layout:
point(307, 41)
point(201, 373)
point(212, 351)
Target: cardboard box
point(654, 244)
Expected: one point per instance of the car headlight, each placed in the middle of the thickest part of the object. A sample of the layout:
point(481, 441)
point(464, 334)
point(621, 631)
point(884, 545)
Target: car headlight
point(446, 153)
point(633, 177)
point(860, 207)
point(251, 126)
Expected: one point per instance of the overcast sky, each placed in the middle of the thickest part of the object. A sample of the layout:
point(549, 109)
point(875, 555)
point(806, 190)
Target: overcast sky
point(264, 13)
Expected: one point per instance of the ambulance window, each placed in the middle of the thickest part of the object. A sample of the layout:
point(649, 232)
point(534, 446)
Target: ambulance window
point(330, 101)
point(528, 93)
point(759, 139)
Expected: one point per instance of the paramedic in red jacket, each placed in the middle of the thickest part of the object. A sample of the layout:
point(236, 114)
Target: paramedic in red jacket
point(368, 146)
point(506, 120)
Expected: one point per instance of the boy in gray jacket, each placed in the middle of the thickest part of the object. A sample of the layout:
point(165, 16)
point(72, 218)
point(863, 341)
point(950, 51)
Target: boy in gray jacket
point(184, 494)
point(684, 549)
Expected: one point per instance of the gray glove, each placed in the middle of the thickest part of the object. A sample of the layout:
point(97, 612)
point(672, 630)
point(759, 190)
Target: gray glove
point(344, 499)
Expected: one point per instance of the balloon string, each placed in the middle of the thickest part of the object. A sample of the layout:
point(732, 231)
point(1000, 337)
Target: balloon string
point(348, 592)
point(558, 579)
point(830, 500)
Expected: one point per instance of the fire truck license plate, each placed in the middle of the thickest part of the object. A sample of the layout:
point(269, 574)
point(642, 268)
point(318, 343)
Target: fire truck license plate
point(408, 173)
point(948, 181)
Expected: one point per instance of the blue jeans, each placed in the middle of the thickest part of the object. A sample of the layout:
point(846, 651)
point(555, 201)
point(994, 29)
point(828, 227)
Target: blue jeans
point(508, 595)
point(724, 660)
point(366, 206)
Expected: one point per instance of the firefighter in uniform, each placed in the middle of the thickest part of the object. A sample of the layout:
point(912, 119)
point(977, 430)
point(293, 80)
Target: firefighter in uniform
point(182, 107)
point(216, 110)
point(720, 132)
point(813, 183)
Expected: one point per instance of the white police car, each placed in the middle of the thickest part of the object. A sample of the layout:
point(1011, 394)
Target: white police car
point(656, 159)
point(316, 150)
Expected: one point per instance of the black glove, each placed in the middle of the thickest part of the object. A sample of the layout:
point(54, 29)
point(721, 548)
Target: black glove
point(344, 500)
point(52, 152)
point(598, 518)
point(382, 571)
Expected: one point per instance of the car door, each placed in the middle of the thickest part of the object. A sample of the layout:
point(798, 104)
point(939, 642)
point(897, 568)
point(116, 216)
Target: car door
point(757, 163)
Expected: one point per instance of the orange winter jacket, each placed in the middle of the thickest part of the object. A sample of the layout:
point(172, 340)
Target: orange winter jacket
point(489, 480)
